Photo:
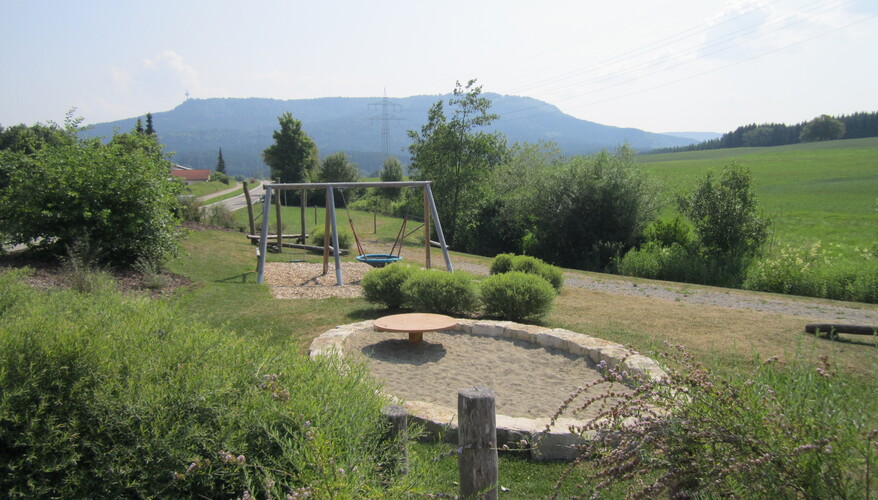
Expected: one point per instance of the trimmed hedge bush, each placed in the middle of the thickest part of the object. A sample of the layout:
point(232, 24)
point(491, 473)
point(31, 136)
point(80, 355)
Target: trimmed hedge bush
point(517, 296)
point(384, 285)
point(502, 263)
point(441, 292)
point(506, 262)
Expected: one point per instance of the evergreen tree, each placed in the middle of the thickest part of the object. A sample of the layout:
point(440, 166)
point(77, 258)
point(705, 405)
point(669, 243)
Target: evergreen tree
point(220, 162)
point(149, 128)
point(138, 127)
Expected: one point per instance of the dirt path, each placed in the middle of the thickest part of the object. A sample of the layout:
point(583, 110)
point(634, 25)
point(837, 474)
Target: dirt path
point(680, 292)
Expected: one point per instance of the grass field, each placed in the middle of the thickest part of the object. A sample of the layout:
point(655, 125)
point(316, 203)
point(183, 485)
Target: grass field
point(826, 192)
point(225, 294)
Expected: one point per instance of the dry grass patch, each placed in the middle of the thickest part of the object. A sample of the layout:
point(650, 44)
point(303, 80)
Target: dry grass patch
point(705, 329)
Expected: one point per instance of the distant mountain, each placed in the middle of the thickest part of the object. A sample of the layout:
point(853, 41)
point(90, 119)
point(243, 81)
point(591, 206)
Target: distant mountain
point(696, 136)
point(197, 128)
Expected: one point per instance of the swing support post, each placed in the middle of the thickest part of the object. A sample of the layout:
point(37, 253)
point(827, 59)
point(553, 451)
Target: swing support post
point(263, 240)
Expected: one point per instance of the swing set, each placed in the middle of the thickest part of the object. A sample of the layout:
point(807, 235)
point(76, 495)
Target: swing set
point(375, 260)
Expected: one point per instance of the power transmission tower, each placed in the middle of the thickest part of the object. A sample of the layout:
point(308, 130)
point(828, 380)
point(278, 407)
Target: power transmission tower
point(387, 108)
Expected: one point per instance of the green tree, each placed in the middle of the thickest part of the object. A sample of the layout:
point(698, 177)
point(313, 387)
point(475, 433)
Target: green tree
point(725, 214)
point(138, 127)
point(391, 171)
point(150, 130)
point(117, 198)
point(220, 162)
point(455, 155)
point(337, 168)
point(822, 128)
point(293, 155)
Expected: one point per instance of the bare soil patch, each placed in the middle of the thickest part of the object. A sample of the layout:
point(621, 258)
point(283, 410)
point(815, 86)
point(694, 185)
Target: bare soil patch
point(300, 280)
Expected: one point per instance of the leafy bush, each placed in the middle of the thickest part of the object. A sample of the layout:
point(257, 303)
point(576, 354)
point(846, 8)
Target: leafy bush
point(813, 273)
point(344, 238)
point(682, 264)
point(503, 263)
point(221, 177)
point(384, 285)
point(118, 196)
point(725, 214)
point(780, 431)
point(441, 292)
point(668, 232)
point(104, 396)
point(585, 212)
point(220, 216)
point(517, 296)
point(188, 208)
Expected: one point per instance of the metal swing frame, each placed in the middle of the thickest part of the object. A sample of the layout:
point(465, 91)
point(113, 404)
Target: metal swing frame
point(429, 209)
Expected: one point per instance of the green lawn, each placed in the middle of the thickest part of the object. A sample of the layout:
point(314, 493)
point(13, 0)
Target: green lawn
point(206, 188)
point(825, 192)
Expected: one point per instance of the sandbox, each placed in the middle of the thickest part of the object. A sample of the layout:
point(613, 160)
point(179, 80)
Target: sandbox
point(531, 369)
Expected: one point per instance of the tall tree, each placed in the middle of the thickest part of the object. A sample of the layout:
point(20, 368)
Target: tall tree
point(138, 127)
point(337, 168)
point(455, 155)
point(220, 162)
point(150, 130)
point(293, 154)
point(822, 128)
point(391, 171)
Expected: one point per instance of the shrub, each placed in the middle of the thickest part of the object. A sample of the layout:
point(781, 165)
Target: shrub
point(220, 216)
point(384, 285)
point(105, 396)
point(506, 262)
point(682, 264)
point(813, 272)
point(725, 214)
point(220, 177)
point(502, 263)
point(344, 238)
point(517, 296)
point(668, 232)
point(441, 292)
point(188, 208)
point(116, 195)
point(779, 431)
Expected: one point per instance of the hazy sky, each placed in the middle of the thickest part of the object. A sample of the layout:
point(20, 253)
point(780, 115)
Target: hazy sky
point(657, 65)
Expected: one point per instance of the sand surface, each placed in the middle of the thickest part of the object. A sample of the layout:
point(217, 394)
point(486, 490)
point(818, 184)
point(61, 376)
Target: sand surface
point(528, 380)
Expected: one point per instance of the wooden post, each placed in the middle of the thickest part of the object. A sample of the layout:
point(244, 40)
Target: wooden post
point(249, 209)
point(426, 230)
point(374, 222)
point(326, 237)
point(280, 226)
point(477, 438)
point(397, 439)
point(304, 233)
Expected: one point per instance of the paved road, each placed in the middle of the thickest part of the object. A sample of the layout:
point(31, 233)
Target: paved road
point(238, 202)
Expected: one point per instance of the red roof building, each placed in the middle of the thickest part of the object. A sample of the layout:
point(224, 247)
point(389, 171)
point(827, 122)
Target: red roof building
point(194, 175)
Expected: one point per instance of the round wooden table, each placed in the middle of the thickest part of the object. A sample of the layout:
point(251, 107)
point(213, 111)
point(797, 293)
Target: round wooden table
point(415, 324)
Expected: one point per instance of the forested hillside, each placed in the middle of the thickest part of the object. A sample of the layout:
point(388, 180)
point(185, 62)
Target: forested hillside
point(853, 126)
point(197, 128)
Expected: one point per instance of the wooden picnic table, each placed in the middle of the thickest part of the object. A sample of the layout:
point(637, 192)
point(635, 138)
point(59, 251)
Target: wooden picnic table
point(415, 324)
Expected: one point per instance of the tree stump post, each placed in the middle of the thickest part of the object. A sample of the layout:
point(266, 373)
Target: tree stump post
point(477, 437)
point(397, 439)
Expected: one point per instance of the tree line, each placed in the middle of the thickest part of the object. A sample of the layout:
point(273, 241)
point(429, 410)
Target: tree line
point(823, 127)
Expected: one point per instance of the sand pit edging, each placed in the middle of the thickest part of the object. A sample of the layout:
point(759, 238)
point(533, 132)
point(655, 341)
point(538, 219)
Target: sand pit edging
point(556, 444)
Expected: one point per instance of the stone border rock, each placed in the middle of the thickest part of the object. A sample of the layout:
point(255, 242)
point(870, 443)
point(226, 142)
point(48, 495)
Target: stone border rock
point(558, 443)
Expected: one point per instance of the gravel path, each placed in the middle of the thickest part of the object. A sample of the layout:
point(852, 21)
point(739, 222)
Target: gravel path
point(731, 299)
